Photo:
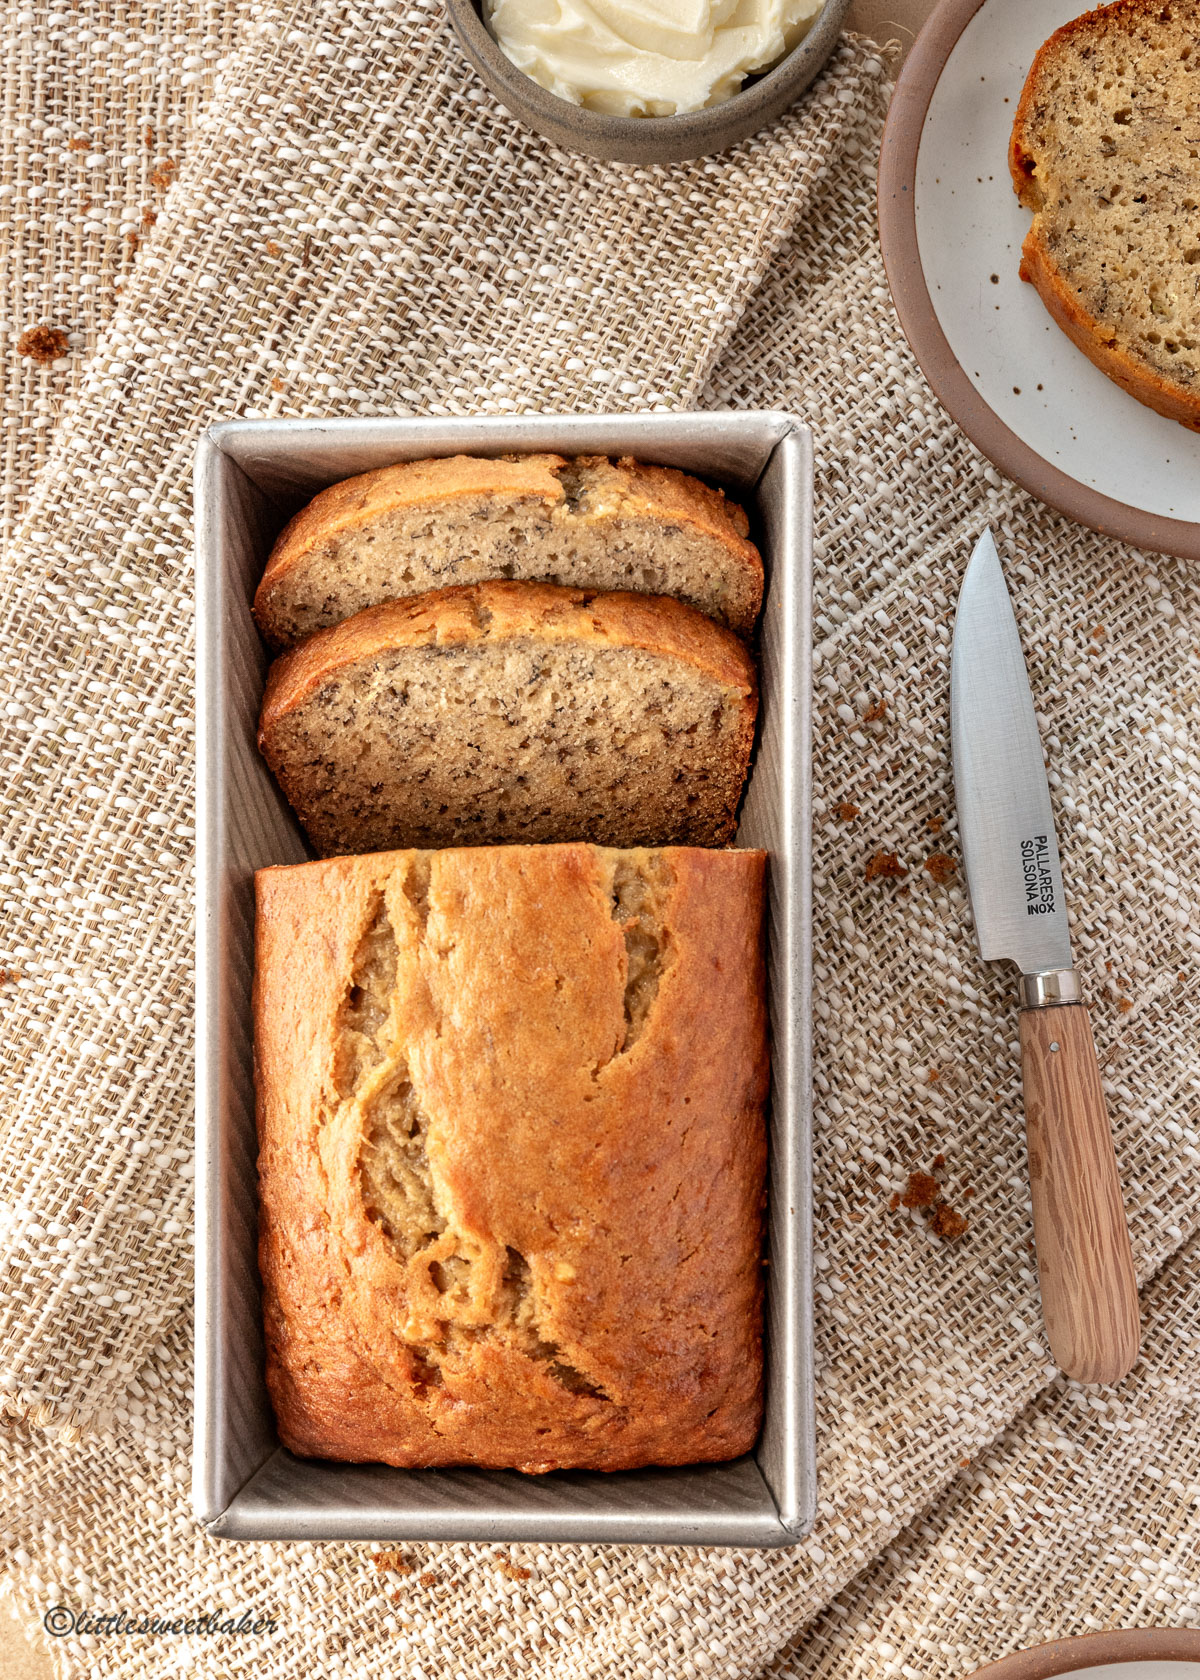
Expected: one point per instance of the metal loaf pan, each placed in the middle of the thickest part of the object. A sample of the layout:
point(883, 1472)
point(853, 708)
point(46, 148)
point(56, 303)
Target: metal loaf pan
point(250, 477)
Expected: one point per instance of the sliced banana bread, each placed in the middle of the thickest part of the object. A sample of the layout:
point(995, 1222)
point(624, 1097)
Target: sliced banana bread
point(513, 712)
point(1105, 151)
point(589, 524)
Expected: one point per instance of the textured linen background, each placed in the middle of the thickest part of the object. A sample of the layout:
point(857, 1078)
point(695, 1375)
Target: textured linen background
point(299, 267)
point(99, 102)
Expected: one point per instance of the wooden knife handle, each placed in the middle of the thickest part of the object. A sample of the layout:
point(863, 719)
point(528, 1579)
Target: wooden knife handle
point(1089, 1290)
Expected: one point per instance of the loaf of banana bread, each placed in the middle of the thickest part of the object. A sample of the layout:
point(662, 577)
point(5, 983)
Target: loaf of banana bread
point(512, 1155)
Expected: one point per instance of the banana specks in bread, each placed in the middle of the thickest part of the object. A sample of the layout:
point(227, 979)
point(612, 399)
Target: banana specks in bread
point(591, 523)
point(1104, 152)
point(513, 712)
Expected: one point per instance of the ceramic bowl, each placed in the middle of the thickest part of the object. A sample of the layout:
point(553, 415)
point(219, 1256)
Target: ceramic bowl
point(647, 140)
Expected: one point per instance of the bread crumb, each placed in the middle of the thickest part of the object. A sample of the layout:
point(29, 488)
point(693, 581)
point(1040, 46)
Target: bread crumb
point(512, 1571)
point(9, 976)
point(277, 384)
point(164, 174)
point(396, 1562)
point(922, 1191)
point(935, 825)
point(934, 1075)
point(429, 1579)
point(941, 866)
point(884, 866)
point(946, 1223)
point(845, 811)
point(874, 713)
point(1124, 1005)
point(895, 1201)
point(273, 248)
point(44, 344)
point(1099, 633)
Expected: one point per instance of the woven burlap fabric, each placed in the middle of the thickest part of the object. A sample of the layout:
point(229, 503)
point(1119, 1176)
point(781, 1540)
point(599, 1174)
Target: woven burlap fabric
point(97, 104)
point(928, 1350)
point(1082, 1517)
point(304, 262)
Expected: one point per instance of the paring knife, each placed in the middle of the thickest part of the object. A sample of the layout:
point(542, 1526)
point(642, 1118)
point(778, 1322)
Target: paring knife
point(1089, 1291)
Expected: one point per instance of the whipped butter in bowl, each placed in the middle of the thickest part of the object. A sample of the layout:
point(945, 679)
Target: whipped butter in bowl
point(647, 58)
point(647, 81)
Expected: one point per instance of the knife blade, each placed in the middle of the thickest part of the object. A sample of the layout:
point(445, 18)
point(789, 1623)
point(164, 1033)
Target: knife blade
point(1010, 850)
point(1015, 885)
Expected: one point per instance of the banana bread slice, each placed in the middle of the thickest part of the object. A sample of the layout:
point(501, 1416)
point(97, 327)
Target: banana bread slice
point(516, 712)
point(1105, 151)
point(512, 1149)
point(589, 523)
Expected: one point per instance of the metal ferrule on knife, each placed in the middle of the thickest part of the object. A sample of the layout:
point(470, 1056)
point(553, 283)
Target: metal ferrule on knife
point(1051, 986)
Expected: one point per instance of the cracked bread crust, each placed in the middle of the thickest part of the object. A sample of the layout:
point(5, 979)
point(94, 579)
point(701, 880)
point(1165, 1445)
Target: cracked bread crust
point(512, 1152)
point(1103, 152)
point(513, 712)
point(588, 523)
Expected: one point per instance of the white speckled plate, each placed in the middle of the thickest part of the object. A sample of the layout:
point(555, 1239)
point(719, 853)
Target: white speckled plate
point(952, 230)
point(1121, 1654)
point(1140, 1671)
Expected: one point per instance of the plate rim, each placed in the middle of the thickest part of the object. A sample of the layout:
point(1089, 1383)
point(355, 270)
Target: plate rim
point(896, 207)
point(1092, 1650)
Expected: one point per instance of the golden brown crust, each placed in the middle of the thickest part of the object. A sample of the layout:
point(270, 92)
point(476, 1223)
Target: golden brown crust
point(618, 1179)
point(666, 493)
point(1095, 338)
point(608, 490)
point(1097, 341)
point(480, 612)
